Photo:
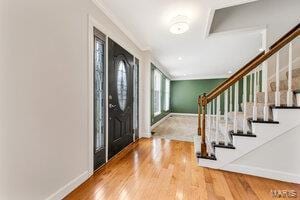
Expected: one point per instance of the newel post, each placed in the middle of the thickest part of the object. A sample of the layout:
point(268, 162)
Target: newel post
point(203, 144)
point(199, 115)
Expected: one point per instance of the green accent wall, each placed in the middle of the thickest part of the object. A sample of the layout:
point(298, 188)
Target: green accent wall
point(164, 113)
point(184, 94)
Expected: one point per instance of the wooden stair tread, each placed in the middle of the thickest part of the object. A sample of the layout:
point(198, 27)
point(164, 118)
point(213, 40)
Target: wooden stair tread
point(285, 107)
point(224, 146)
point(241, 133)
point(296, 91)
point(205, 157)
point(263, 121)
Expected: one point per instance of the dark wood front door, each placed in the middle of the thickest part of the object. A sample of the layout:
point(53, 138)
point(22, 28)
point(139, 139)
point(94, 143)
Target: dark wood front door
point(120, 98)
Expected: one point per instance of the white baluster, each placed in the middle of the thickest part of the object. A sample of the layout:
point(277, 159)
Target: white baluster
point(254, 98)
point(258, 80)
point(213, 112)
point(230, 98)
point(266, 107)
point(209, 123)
point(218, 120)
point(226, 115)
point(245, 104)
point(250, 90)
point(277, 93)
point(236, 105)
point(289, 92)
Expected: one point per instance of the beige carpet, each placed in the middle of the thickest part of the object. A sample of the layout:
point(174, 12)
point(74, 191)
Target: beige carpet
point(182, 128)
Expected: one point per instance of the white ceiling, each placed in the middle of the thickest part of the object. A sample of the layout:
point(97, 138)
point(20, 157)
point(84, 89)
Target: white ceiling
point(147, 22)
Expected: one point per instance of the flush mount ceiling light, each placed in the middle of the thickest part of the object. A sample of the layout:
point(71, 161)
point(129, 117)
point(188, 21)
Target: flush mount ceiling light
point(179, 25)
point(179, 58)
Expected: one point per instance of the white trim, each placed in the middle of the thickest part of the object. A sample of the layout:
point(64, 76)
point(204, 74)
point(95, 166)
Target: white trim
point(233, 3)
point(185, 78)
point(266, 173)
point(212, 12)
point(120, 25)
point(253, 29)
point(209, 22)
point(160, 121)
point(91, 24)
point(69, 187)
point(184, 114)
point(106, 99)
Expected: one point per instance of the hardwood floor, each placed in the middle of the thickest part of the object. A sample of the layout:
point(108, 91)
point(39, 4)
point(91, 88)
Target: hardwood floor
point(163, 169)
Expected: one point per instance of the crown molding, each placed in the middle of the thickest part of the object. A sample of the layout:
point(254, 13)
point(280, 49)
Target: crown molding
point(120, 25)
point(195, 77)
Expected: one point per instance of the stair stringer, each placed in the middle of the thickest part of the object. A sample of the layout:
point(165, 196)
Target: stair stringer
point(265, 132)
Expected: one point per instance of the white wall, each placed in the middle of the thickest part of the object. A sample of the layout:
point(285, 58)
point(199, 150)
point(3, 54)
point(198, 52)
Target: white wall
point(145, 96)
point(278, 159)
point(276, 15)
point(44, 94)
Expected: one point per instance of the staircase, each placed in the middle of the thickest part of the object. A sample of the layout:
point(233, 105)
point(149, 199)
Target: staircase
point(247, 111)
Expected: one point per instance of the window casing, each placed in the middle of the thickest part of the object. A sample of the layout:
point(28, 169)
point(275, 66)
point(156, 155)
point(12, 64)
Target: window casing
point(157, 93)
point(167, 95)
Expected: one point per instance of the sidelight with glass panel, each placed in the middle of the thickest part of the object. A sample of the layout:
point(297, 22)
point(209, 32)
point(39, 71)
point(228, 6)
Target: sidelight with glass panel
point(99, 93)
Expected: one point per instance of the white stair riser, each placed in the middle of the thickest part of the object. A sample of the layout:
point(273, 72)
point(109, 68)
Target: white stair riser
point(265, 132)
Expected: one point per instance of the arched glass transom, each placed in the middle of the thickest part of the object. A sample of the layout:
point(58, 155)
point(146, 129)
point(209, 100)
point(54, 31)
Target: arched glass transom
point(122, 85)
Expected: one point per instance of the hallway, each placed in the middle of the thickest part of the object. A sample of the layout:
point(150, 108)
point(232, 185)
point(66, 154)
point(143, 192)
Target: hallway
point(164, 169)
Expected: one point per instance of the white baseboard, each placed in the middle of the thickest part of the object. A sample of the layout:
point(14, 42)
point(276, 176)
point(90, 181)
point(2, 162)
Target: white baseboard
point(160, 121)
point(266, 173)
point(69, 187)
point(145, 135)
point(184, 114)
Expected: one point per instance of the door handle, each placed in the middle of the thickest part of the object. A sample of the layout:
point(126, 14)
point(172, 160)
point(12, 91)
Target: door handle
point(111, 105)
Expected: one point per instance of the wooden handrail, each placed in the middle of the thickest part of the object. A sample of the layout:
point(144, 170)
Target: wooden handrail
point(285, 35)
point(259, 59)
